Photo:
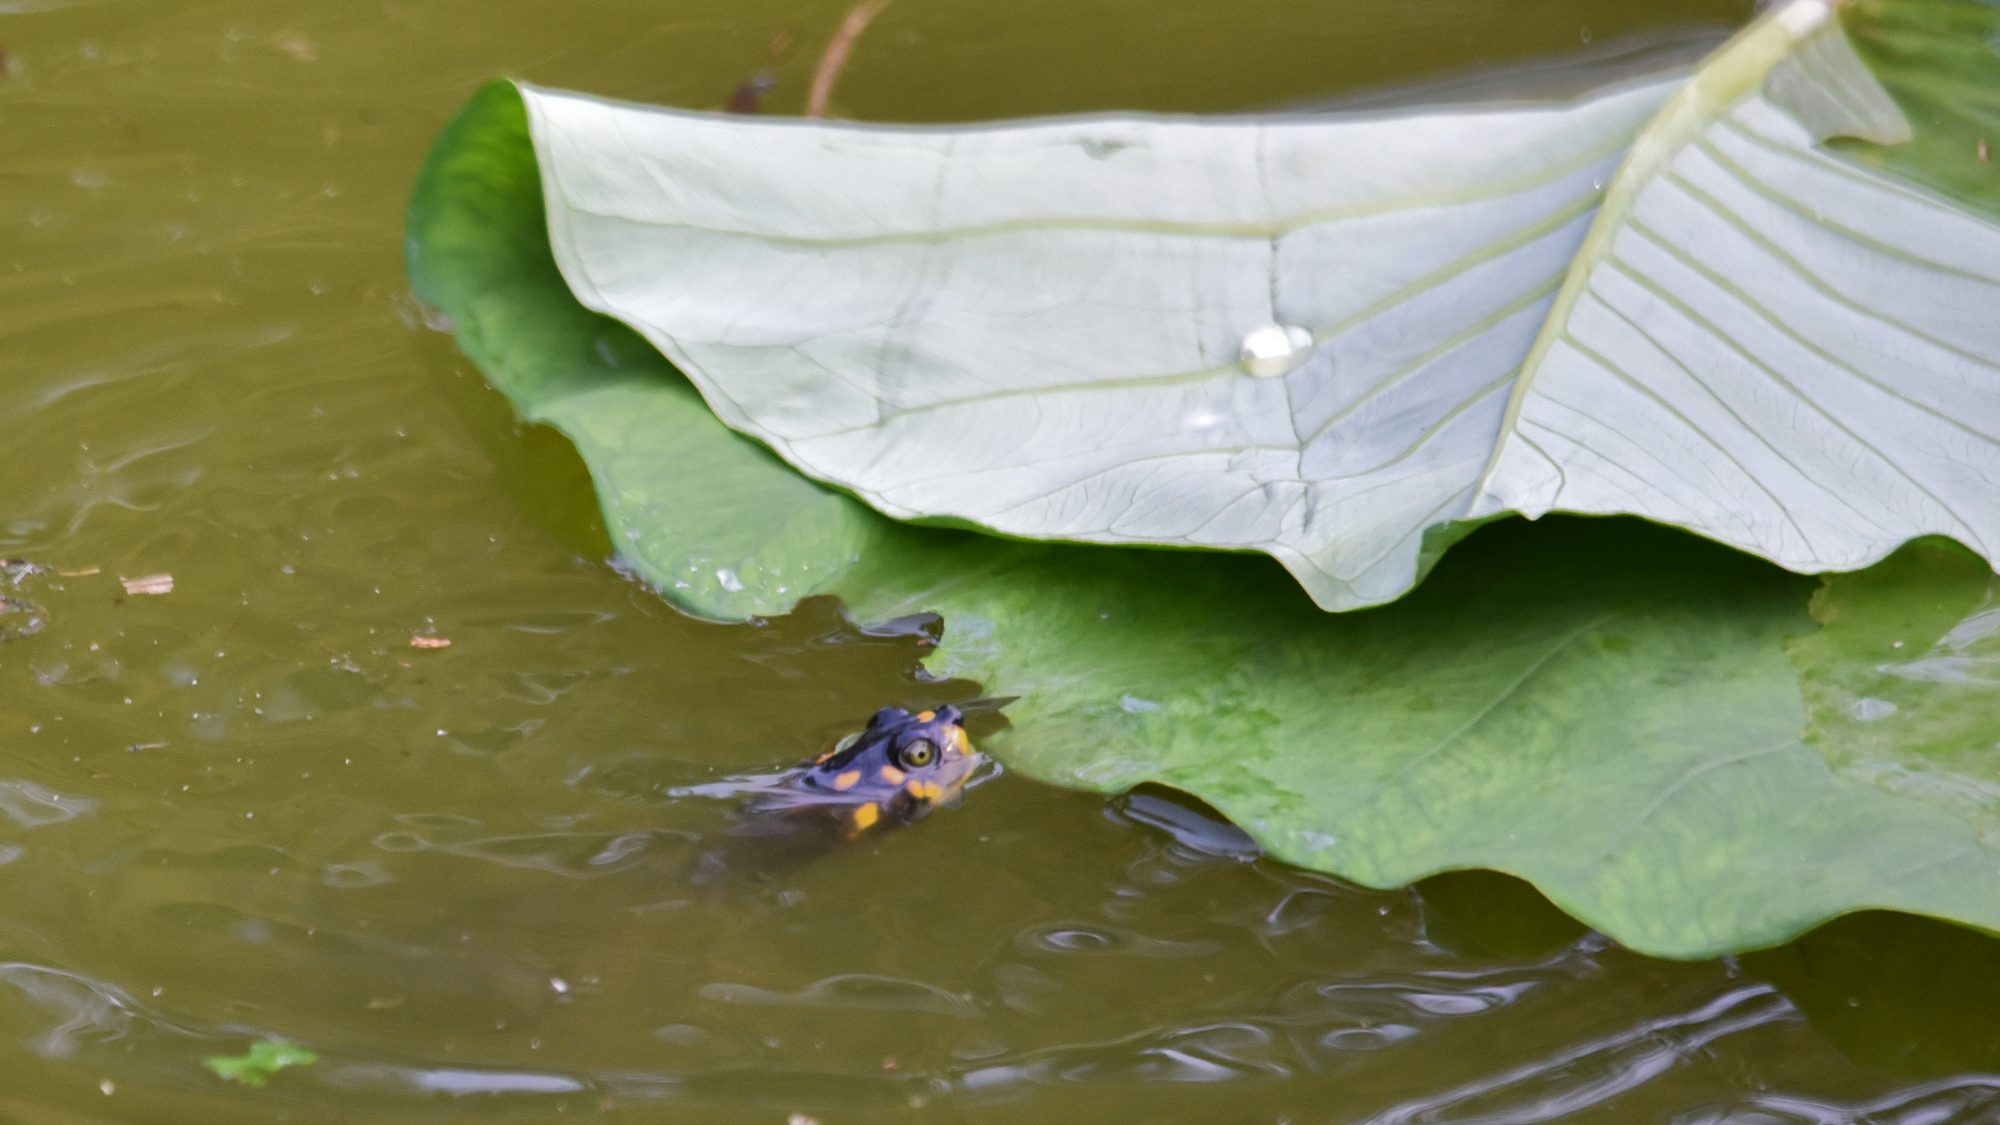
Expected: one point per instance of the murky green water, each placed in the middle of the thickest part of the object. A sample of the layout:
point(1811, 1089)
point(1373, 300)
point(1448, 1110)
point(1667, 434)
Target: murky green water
point(250, 808)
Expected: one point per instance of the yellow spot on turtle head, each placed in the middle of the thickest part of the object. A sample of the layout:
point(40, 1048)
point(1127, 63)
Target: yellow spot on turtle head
point(959, 742)
point(926, 716)
point(847, 780)
point(865, 817)
point(923, 790)
point(892, 776)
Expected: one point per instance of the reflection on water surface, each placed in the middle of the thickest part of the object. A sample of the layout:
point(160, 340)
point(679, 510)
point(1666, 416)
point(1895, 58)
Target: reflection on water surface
point(250, 807)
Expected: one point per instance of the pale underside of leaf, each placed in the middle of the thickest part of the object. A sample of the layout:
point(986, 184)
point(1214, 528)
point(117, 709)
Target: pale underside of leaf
point(1770, 345)
point(1035, 328)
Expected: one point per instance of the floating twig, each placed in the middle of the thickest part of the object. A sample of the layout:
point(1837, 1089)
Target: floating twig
point(149, 584)
point(837, 49)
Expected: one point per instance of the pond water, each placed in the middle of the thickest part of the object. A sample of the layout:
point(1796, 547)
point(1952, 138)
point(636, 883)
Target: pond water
point(249, 808)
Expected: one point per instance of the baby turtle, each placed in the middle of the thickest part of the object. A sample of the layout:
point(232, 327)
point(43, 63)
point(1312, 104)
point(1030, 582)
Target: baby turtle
point(894, 772)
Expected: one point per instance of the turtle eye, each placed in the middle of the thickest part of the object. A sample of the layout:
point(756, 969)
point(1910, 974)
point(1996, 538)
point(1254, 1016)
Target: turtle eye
point(919, 754)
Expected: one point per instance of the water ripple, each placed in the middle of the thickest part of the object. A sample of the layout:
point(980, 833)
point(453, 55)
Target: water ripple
point(1075, 937)
point(1969, 1099)
point(1597, 1071)
point(857, 991)
point(34, 806)
point(454, 1081)
point(86, 1011)
point(574, 855)
point(1378, 1000)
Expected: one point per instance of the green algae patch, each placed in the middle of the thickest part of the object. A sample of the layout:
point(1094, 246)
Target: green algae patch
point(265, 1058)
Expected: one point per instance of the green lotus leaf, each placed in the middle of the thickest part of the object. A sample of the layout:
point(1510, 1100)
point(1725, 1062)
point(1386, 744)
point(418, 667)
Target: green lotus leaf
point(1904, 685)
point(719, 525)
point(1607, 710)
point(1680, 745)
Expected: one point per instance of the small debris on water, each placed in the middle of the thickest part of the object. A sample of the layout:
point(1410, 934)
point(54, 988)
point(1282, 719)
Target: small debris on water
point(801, 1119)
point(1985, 154)
point(27, 618)
point(297, 46)
point(138, 746)
point(107, 1087)
point(749, 97)
point(420, 641)
point(83, 572)
point(149, 584)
